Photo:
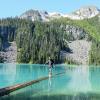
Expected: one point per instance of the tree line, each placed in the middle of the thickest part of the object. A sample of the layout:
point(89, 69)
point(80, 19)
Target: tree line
point(36, 41)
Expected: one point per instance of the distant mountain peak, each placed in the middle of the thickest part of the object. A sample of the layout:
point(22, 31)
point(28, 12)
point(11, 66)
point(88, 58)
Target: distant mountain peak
point(88, 11)
point(82, 13)
point(31, 15)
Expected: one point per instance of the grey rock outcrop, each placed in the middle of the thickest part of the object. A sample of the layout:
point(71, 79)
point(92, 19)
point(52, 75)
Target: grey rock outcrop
point(75, 32)
point(9, 54)
point(31, 15)
point(35, 15)
point(79, 52)
point(84, 13)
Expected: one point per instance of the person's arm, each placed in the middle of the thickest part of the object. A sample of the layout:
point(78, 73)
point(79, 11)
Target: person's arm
point(46, 62)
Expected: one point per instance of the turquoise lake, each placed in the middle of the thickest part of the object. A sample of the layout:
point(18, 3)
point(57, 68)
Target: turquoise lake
point(78, 83)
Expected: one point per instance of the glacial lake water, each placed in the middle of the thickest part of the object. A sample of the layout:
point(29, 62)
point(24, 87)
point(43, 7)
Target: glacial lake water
point(77, 83)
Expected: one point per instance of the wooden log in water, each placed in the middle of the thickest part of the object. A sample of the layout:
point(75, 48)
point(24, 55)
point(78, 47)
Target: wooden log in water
point(8, 90)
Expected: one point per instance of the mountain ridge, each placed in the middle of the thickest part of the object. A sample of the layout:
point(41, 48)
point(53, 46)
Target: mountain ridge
point(85, 12)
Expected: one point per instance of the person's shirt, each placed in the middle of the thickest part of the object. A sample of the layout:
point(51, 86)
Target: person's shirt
point(50, 62)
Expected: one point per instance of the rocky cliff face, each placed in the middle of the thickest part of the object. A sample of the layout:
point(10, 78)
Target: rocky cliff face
point(79, 47)
point(9, 53)
point(82, 13)
point(35, 15)
point(79, 52)
point(31, 15)
point(75, 33)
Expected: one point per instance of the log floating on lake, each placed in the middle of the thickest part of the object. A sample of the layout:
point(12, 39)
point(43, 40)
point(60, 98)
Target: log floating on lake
point(8, 90)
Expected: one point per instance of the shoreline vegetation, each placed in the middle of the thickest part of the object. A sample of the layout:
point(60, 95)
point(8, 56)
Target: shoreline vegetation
point(36, 41)
point(66, 65)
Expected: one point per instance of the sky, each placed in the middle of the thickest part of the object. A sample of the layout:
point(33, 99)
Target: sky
point(12, 8)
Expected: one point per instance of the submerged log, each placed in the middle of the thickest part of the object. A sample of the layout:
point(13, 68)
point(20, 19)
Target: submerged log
point(8, 90)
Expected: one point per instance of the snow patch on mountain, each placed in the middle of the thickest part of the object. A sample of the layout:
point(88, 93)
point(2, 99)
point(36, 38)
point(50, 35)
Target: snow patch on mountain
point(82, 13)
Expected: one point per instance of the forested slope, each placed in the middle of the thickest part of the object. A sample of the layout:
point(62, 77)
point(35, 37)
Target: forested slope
point(36, 41)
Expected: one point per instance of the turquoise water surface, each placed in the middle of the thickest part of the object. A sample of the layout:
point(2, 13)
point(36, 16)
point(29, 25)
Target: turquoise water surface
point(78, 83)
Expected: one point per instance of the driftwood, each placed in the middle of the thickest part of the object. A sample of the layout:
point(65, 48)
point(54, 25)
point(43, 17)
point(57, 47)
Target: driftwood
point(8, 90)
